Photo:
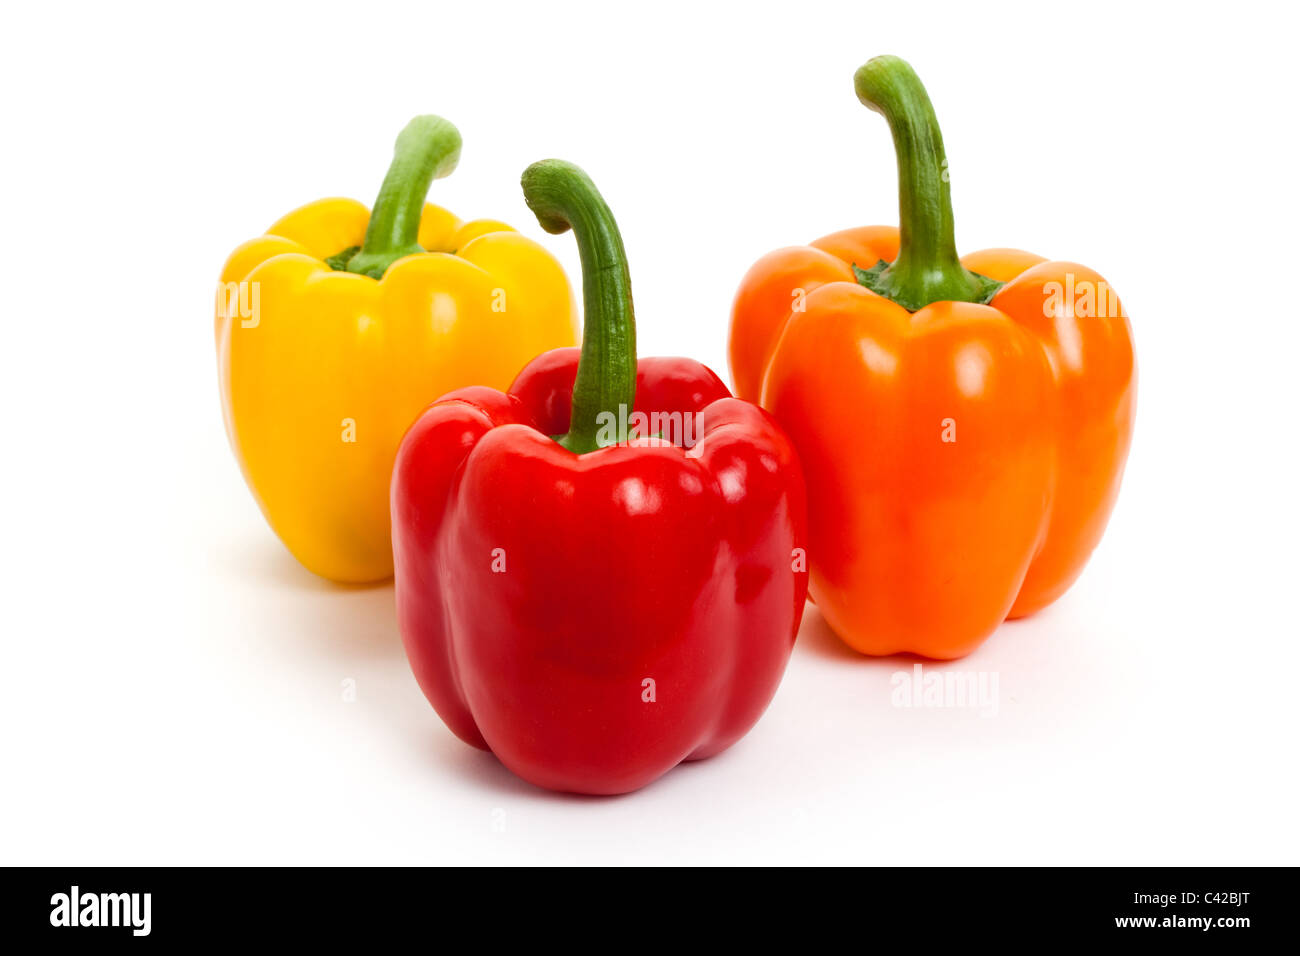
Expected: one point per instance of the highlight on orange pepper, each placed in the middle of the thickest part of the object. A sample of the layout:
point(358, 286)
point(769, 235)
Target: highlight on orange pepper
point(963, 423)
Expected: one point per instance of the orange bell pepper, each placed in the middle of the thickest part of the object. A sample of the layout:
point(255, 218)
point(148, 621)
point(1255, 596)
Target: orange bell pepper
point(963, 423)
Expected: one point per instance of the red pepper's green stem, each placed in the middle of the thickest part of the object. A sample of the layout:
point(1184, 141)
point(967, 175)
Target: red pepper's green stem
point(562, 196)
point(427, 149)
point(927, 268)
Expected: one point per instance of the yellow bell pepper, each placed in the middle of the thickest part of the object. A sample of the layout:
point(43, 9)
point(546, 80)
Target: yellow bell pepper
point(336, 328)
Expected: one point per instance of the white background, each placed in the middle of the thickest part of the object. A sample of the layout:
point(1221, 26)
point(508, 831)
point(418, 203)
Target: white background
point(172, 679)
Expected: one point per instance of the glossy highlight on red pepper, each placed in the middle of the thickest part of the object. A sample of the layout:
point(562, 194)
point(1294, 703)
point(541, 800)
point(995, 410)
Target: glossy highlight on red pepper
point(594, 613)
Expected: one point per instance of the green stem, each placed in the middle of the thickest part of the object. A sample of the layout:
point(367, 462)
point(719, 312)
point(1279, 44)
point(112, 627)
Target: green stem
point(927, 268)
point(427, 149)
point(562, 196)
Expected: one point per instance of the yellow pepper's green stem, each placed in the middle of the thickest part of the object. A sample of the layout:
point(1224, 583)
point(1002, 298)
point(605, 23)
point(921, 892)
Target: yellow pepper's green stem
point(562, 196)
point(427, 149)
point(927, 268)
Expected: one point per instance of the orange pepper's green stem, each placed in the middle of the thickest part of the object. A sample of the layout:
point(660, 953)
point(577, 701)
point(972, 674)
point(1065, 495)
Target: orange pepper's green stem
point(427, 149)
point(562, 196)
point(927, 268)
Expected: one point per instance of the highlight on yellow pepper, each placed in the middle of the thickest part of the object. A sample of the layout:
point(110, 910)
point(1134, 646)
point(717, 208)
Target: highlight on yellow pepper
point(337, 327)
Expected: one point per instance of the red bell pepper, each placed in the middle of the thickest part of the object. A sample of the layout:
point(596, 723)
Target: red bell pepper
point(590, 609)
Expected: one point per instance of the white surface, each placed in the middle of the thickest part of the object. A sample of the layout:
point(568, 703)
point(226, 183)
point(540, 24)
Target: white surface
point(172, 680)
